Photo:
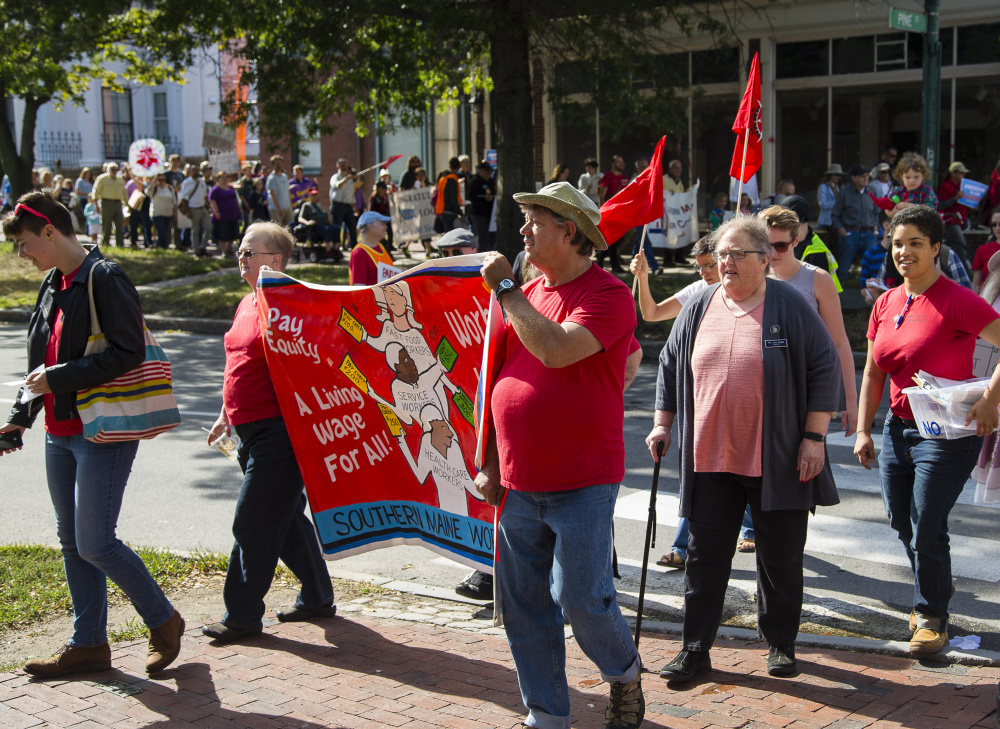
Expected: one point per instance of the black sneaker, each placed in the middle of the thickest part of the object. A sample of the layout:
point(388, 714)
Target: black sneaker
point(626, 705)
point(686, 666)
point(225, 634)
point(781, 660)
point(477, 586)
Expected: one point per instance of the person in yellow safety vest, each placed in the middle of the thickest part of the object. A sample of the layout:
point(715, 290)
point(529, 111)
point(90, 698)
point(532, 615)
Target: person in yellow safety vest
point(369, 252)
point(817, 246)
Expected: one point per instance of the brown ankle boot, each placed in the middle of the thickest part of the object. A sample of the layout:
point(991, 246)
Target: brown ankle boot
point(164, 643)
point(931, 635)
point(71, 659)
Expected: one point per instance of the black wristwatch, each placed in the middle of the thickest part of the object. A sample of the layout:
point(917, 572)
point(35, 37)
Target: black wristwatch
point(818, 437)
point(505, 286)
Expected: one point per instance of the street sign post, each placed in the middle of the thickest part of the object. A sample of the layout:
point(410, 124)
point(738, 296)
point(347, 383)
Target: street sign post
point(906, 20)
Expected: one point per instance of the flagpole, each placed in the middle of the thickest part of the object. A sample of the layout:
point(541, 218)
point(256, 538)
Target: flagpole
point(642, 244)
point(369, 169)
point(743, 166)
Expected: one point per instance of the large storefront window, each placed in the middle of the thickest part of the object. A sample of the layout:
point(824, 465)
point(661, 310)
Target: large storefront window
point(800, 123)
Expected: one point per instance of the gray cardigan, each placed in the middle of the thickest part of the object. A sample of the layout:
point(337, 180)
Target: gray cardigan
point(801, 377)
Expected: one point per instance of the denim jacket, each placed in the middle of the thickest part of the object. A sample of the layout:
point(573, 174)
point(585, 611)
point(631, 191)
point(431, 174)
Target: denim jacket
point(121, 320)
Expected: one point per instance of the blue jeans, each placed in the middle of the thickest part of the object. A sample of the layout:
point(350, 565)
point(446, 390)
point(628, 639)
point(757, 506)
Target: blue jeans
point(922, 479)
point(162, 225)
point(850, 246)
point(270, 522)
point(86, 483)
point(554, 559)
point(647, 248)
point(680, 545)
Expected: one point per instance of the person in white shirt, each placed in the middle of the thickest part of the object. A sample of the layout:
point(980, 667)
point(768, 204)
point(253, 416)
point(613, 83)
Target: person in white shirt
point(589, 181)
point(279, 198)
point(194, 192)
point(343, 187)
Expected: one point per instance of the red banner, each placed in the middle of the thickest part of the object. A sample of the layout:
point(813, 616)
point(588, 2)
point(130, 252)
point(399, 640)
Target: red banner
point(377, 386)
point(748, 128)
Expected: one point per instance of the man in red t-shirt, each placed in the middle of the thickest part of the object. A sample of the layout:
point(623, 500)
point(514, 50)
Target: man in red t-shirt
point(612, 182)
point(953, 213)
point(556, 457)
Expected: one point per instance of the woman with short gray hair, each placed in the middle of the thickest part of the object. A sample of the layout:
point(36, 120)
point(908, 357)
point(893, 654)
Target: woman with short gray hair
point(751, 375)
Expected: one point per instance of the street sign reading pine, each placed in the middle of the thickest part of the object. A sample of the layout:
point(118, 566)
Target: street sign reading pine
point(905, 20)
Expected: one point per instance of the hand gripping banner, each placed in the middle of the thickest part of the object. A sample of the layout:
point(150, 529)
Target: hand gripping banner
point(377, 386)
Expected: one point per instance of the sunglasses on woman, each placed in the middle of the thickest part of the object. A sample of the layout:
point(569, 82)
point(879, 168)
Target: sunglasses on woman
point(781, 246)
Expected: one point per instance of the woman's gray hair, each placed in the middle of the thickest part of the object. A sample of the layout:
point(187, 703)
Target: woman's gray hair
point(752, 232)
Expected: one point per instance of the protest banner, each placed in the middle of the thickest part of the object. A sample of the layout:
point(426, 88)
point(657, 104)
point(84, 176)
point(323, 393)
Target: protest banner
point(972, 193)
point(679, 225)
point(377, 387)
point(412, 214)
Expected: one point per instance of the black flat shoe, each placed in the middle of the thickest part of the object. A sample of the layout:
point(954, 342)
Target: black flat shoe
point(781, 660)
point(224, 634)
point(686, 666)
point(296, 614)
point(477, 586)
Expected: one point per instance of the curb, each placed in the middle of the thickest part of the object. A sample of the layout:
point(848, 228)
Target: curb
point(948, 657)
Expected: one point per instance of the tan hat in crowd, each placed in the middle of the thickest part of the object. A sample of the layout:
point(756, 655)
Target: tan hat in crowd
point(835, 169)
point(957, 167)
point(882, 167)
point(564, 199)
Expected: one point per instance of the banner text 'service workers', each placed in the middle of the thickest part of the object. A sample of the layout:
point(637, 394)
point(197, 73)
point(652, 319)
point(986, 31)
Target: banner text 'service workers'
point(557, 449)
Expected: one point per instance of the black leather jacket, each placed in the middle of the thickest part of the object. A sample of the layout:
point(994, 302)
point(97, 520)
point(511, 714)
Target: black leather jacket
point(121, 320)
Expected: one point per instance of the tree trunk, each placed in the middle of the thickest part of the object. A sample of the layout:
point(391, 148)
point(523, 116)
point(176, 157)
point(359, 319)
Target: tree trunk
point(18, 166)
point(511, 101)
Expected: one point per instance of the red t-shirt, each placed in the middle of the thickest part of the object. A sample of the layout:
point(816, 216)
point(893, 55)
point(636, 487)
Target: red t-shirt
point(614, 182)
point(247, 391)
point(983, 255)
point(938, 335)
point(561, 428)
point(73, 426)
point(957, 213)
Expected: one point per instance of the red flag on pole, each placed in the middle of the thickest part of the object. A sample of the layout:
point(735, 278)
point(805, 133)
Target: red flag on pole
point(749, 153)
point(639, 203)
point(391, 160)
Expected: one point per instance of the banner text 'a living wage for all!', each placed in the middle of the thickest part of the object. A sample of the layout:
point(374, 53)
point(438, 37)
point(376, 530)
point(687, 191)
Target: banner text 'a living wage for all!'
point(377, 385)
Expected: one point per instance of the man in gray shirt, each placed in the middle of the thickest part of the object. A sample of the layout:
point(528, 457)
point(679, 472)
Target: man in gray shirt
point(279, 200)
point(854, 217)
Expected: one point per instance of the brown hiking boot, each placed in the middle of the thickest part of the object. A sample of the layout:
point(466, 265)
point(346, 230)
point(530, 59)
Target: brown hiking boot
point(71, 659)
point(164, 644)
point(626, 706)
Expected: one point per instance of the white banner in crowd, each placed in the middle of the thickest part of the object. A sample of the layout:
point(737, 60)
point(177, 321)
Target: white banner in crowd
point(679, 225)
point(412, 214)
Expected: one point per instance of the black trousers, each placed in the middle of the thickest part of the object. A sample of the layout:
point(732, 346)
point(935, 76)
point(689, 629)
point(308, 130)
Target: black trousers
point(716, 516)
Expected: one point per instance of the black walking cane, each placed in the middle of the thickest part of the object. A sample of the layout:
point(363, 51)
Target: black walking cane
point(650, 538)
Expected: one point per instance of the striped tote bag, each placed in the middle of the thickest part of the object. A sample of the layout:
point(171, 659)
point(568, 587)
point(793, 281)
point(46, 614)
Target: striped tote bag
point(137, 405)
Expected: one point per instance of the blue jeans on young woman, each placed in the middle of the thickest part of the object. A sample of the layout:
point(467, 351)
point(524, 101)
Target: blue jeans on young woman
point(86, 483)
point(554, 560)
point(850, 245)
point(680, 545)
point(270, 522)
point(922, 479)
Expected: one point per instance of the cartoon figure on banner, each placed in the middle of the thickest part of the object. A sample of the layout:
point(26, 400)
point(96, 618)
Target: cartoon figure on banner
point(398, 324)
point(412, 390)
point(441, 456)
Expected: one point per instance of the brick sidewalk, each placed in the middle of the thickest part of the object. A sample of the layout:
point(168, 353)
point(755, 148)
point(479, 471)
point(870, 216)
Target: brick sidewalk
point(360, 671)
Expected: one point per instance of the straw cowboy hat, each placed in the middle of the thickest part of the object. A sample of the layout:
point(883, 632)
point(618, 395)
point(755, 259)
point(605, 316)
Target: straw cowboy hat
point(565, 200)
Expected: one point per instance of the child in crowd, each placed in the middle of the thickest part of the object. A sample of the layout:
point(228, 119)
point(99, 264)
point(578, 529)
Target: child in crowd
point(912, 171)
point(93, 221)
point(746, 204)
point(871, 261)
point(258, 201)
point(718, 215)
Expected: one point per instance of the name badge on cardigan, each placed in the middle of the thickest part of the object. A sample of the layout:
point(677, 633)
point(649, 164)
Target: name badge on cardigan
point(769, 343)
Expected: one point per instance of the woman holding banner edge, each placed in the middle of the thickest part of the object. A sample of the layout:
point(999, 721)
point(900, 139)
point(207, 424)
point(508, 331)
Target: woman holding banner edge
point(270, 521)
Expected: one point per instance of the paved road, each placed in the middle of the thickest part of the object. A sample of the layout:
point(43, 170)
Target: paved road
point(181, 496)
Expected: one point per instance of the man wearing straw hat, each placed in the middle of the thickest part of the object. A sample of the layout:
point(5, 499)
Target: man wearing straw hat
point(556, 457)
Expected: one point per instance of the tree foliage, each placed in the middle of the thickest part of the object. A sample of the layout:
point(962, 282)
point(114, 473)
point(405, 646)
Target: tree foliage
point(389, 61)
point(53, 52)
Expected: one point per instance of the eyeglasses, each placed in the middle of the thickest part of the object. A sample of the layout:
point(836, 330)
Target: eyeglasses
point(19, 207)
point(248, 254)
point(737, 254)
point(707, 267)
point(781, 246)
